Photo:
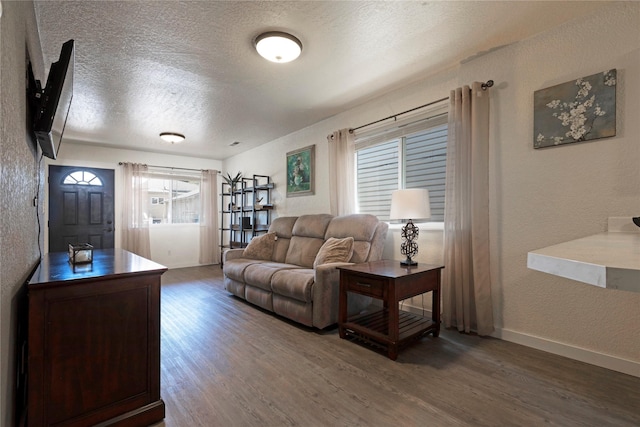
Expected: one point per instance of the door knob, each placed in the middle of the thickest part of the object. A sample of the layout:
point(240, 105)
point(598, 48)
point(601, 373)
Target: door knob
point(108, 229)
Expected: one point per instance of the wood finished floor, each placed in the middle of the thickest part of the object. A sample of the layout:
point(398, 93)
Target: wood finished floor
point(227, 363)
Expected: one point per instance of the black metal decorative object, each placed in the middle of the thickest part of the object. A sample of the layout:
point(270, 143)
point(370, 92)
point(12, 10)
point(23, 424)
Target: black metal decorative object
point(409, 245)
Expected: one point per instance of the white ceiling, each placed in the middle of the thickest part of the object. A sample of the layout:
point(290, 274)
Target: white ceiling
point(144, 67)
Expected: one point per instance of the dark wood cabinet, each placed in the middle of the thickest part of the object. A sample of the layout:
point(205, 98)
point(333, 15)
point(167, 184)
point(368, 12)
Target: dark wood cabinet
point(94, 341)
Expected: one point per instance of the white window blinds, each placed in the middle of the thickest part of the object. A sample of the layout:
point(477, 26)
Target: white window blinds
point(425, 165)
point(407, 153)
point(377, 176)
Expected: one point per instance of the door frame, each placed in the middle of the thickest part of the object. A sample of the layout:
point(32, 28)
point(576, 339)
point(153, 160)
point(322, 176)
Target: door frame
point(117, 203)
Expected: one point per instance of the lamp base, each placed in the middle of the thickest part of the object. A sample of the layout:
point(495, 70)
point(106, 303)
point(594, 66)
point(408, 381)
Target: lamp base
point(408, 262)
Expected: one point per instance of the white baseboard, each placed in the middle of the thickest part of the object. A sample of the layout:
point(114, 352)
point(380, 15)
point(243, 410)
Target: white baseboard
point(614, 363)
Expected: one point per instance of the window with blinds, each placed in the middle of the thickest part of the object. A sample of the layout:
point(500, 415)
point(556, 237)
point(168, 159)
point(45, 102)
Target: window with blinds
point(425, 166)
point(377, 176)
point(416, 159)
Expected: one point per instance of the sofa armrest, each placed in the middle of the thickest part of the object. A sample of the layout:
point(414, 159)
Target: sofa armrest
point(328, 274)
point(326, 294)
point(230, 254)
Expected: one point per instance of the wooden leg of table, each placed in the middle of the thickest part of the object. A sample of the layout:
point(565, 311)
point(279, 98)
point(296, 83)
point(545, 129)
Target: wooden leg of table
point(393, 322)
point(435, 304)
point(392, 353)
point(342, 310)
point(342, 333)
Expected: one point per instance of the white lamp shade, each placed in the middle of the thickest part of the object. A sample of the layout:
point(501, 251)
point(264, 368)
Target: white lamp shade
point(411, 203)
point(278, 47)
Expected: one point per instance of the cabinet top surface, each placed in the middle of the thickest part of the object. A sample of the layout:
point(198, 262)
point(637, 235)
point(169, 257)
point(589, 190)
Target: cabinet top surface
point(55, 267)
point(389, 268)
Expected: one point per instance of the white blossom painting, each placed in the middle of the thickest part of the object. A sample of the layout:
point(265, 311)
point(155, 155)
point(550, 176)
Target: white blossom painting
point(576, 111)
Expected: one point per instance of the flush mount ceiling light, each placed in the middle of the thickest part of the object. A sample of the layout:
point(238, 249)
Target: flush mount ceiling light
point(172, 137)
point(277, 46)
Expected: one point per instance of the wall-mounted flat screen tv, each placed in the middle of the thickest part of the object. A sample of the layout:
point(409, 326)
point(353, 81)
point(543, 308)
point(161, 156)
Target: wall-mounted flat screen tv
point(54, 102)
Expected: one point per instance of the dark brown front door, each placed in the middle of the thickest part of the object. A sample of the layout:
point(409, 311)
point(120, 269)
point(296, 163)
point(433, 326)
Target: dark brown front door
point(80, 207)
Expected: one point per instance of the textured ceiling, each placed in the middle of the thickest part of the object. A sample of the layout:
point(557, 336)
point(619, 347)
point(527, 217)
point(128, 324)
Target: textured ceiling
point(144, 67)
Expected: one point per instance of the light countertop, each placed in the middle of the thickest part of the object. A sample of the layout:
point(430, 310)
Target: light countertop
point(608, 260)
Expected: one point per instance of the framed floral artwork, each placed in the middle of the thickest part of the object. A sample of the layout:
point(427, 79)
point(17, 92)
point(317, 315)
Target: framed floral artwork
point(300, 170)
point(576, 111)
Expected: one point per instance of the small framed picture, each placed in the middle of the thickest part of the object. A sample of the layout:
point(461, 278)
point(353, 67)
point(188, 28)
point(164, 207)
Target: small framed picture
point(300, 172)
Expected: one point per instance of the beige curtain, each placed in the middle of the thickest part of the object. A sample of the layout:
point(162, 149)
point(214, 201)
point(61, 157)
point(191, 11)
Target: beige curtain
point(341, 172)
point(135, 208)
point(466, 290)
point(209, 249)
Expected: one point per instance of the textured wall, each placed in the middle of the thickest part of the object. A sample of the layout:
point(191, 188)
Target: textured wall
point(19, 173)
point(538, 197)
point(544, 197)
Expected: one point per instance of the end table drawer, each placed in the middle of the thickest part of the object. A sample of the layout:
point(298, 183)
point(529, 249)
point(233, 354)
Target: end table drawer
point(366, 285)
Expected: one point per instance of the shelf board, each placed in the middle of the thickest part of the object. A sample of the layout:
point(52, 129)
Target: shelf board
point(269, 186)
point(237, 228)
point(607, 260)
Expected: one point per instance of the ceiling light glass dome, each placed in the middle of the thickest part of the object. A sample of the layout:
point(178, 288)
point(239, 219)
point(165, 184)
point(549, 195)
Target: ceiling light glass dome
point(172, 137)
point(278, 47)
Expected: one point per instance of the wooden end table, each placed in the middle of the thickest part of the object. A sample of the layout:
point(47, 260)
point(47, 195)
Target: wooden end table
point(390, 327)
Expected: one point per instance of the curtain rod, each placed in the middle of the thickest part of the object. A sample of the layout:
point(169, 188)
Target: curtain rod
point(171, 167)
point(484, 86)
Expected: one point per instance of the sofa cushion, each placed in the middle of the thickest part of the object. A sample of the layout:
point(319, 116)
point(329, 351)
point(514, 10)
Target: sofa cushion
point(234, 269)
point(283, 227)
point(307, 239)
point(358, 226)
point(298, 311)
point(362, 227)
point(259, 275)
point(234, 286)
point(312, 225)
point(260, 247)
point(296, 284)
point(334, 250)
point(303, 251)
point(259, 297)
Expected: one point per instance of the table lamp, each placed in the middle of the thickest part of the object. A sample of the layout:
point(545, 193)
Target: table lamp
point(410, 204)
